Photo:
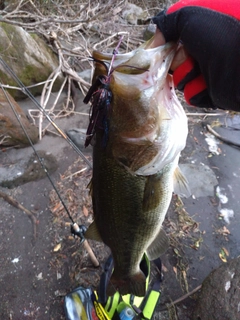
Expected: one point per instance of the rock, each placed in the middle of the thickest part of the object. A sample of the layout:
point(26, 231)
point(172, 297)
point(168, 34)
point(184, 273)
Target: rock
point(149, 32)
point(11, 132)
point(220, 294)
point(28, 56)
point(86, 75)
point(201, 179)
point(27, 170)
point(132, 13)
point(78, 137)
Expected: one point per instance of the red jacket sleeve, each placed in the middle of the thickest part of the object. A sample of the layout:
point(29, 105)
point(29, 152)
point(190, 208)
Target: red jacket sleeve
point(210, 32)
point(229, 7)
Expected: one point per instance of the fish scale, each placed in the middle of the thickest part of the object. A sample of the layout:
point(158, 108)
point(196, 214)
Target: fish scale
point(144, 200)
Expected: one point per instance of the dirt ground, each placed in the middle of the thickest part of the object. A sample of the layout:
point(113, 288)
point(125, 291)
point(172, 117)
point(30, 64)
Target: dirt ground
point(37, 272)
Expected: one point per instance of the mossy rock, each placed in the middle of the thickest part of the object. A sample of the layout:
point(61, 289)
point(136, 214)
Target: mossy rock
point(11, 132)
point(27, 169)
point(28, 56)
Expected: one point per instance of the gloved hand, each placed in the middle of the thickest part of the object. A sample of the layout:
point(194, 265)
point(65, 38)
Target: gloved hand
point(210, 33)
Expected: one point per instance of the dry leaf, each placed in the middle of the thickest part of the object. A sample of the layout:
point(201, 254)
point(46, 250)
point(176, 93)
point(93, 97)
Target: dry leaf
point(197, 243)
point(85, 211)
point(225, 251)
point(184, 274)
point(196, 140)
point(57, 247)
point(176, 252)
point(164, 268)
point(222, 255)
point(175, 270)
point(56, 207)
point(67, 224)
point(225, 230)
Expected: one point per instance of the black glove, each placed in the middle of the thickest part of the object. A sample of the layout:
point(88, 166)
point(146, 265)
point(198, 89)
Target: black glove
point(210, 33)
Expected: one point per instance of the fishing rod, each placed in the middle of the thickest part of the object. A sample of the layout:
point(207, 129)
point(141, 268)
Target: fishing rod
point(30, 95)
point(76, 230)
point(126, 313)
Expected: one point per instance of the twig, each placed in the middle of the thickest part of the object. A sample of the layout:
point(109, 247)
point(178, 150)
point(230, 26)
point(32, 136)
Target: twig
point(58, 27)
point(17, 205)
point(70, 75)
point(38, 11)
point(210, 129)
point(110, 37)
point(73, 174)
point(51, 109)
point(183, 297)
point(41, 22)
point(7, 86)
point(43, 101)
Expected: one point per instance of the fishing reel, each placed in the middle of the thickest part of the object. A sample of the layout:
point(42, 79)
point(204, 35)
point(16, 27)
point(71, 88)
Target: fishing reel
point(78, 231)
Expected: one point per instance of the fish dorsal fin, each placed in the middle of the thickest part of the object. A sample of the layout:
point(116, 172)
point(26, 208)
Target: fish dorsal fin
point(159, 245)
point(93, 233)
point(180, 184)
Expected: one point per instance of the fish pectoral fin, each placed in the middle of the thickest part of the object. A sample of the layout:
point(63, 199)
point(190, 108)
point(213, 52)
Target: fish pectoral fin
point(93, 233)
point(180, 184)
point(159, 245)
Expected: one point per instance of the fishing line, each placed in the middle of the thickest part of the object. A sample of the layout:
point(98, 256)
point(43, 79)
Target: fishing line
point(35, 151)
point(29, 94)
point(115, 52)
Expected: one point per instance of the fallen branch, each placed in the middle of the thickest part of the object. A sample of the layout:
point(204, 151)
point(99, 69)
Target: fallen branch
point(17, 205)
point(44, 21)
point(70, 75)
point(210, 129)
point(182, 298)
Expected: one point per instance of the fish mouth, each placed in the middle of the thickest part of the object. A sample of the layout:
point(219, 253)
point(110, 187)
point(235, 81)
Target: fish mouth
point(137, 59)
point(154, 135)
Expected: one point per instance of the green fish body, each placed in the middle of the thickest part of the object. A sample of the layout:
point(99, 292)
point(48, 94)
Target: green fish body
point(135, 173)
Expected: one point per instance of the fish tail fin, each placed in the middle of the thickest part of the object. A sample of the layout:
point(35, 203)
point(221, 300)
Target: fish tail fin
point(135, 284)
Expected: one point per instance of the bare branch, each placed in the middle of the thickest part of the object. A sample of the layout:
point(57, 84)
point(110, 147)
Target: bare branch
point(73, 29)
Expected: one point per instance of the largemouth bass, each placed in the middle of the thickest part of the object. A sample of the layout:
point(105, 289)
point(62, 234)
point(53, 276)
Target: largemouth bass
point(134, 172)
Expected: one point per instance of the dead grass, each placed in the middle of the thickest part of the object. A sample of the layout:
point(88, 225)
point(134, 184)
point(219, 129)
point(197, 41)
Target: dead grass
point(74, 28)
